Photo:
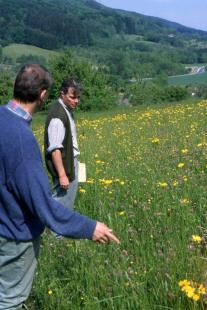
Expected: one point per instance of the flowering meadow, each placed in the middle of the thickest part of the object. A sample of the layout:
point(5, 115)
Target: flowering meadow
point(147, 180)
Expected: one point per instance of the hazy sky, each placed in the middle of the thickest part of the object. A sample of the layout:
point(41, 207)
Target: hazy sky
point(191, 13)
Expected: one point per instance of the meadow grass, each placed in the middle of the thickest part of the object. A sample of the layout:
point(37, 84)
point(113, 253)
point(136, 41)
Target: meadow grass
point(16, 50)
point(146, 178)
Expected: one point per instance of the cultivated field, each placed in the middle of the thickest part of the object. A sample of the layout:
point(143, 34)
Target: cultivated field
point(147, 180)
point(188, 79)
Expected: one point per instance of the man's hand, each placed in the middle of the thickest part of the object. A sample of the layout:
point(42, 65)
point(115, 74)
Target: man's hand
point(64, 182)
point(58, 163)
point(103, 234)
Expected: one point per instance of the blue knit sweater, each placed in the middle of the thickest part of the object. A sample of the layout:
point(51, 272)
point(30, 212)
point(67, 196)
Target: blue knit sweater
point(26, 204)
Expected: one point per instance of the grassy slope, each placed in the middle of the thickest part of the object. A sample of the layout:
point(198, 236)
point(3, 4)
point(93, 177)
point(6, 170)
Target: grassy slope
point(16, 50)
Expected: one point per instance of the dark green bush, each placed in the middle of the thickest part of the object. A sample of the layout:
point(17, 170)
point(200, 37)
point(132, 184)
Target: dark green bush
point(97, 94)
point(175, 93)
point(6, 86)
point(151, 93)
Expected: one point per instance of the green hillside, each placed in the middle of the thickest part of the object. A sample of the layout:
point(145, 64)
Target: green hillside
point(55, 23)
point(126, 45)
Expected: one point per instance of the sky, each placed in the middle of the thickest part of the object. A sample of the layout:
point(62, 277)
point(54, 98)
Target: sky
point(191, 13)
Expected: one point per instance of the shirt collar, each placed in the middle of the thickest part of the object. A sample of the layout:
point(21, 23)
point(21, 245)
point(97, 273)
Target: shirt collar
point(17, 109)
point(65, 106)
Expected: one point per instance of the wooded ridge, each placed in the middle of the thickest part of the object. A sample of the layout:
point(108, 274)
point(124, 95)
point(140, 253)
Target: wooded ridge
point(56, 23)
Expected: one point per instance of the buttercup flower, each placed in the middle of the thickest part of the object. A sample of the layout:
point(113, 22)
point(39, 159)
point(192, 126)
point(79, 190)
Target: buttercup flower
point(185, 178)
point(175, 183)
point(155, 140)
point(121, 213)
point(184, 201)
point(192, 289)
point(50, 292)
point(82, 190)
point(196, 238)
point(162, 184)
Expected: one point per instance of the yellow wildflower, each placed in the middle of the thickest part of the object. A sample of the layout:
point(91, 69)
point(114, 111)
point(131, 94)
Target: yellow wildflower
point(199, 144)
point(185, 178)
point(201, 289)
point(98, 161)
point(50, 292)
point(121, 213)
point(184, 201)
point(82, 190)
point(90, 181)
point(155, 140)
point(184, 151)
point(162, 184)
point(189, 291)
point(196, 238)
point(181, 165)
point(184, 282)
point(175, 183)
point(196, 297)
point(108, 182)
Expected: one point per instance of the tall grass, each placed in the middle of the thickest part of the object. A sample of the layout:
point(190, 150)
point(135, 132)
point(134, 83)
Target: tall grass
point(146, 172)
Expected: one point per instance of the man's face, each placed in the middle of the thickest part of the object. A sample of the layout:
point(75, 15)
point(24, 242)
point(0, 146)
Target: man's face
point(71, 98)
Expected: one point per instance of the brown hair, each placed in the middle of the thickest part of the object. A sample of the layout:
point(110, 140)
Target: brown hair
point(30, 81)
point(73, 83)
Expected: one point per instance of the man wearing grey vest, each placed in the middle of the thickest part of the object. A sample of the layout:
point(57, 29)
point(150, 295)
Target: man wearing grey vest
point(61, 147)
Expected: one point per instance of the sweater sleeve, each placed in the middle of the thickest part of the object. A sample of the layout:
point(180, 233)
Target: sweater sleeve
point(30, 185)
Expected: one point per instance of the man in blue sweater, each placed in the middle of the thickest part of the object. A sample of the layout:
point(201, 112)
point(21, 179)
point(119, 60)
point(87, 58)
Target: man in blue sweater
point(26, 204)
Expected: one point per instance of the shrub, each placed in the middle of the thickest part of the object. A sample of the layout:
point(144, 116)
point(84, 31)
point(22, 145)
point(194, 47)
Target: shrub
point(97, 94)
point(151, 93)
point(6, 87)
point(175, 93)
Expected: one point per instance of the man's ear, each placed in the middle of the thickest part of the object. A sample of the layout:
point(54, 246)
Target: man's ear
point(43, 94)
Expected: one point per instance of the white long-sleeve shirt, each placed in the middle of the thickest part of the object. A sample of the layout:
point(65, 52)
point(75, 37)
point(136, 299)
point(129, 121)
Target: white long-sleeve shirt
point(56, 132)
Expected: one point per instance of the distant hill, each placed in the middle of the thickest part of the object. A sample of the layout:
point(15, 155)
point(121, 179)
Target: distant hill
point(53, 24)
point(124, 44)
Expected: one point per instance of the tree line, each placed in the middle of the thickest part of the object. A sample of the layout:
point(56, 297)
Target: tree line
point(101, 89)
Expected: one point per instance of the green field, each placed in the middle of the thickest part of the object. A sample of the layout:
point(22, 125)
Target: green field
point(147, 176)
point(188, 79)
point(16, 50)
